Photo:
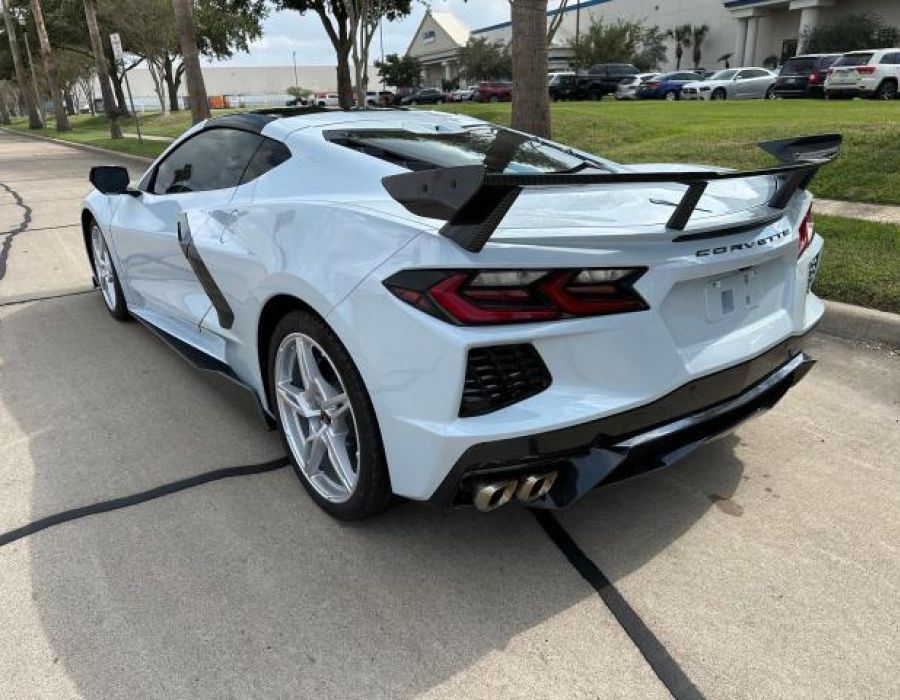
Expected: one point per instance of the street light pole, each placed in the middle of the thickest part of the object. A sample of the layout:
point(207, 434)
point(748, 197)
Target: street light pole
point(296, 84)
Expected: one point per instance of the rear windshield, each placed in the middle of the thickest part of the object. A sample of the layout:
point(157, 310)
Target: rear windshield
point(501, 150)
point(853, 59)
point(799, 66)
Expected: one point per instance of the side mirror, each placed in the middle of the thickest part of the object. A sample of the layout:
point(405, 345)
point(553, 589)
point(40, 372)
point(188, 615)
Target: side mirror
point(110, 179)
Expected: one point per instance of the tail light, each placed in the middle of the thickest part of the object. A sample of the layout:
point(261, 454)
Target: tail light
point(484, 297)
point(814, 77)
point(865, 70)
point(807, 231)
point(652, 85)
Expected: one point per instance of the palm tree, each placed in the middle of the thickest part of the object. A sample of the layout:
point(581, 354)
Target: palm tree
point(195, 84)
point(62, 119)
point(698, 34)
point(682, 36)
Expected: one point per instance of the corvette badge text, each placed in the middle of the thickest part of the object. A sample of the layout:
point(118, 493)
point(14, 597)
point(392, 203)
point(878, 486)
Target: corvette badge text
point(720, 250)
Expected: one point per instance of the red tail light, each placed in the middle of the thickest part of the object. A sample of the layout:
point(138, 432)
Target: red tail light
point(653, 85)
point(865, 70)
point(807, 231)
point(482, 297)
point(814, 78)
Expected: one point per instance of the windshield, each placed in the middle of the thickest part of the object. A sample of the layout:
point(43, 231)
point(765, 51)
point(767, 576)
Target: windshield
point(501, 150)
point(853, 59)
point(723, 75)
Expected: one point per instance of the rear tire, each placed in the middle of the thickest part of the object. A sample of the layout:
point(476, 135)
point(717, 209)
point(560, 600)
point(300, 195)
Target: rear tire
point(770, 93)
point(493, 98)
point(325, 395)
point(106, 275)
point(886, 91)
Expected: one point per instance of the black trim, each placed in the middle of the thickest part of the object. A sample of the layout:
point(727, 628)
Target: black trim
point(473, 200)
point(203, 361)
point(219, 302)
point(592, 452)
point(253, 122)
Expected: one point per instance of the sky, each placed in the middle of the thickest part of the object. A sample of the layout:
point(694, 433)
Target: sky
point(288, 31)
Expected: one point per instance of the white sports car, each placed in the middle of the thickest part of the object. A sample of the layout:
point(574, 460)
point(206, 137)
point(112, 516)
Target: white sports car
point(432, 306)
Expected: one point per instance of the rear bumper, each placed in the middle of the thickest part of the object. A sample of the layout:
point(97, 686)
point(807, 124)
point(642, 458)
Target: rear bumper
point(849, 92)
point(637, 441)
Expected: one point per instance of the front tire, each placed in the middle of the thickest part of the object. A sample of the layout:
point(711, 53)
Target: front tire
point(326, 419)
point(106, 275)
point(719, 94)
point(671, 96)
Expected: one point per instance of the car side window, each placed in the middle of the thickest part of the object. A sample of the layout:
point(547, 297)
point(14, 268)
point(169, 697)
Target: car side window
point(269, 155)
point(211, 160)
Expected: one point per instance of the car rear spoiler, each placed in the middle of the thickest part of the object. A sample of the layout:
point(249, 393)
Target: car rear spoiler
point(473, 201)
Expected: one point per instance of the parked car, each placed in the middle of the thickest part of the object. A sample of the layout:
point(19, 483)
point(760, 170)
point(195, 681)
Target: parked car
point(865, 74)
point(493, 92)
point(628, 87)
point(485, 359)
point(425, 96)
point(462, 94)
point(602, 79)
point(327, 99)
point(400, 93)
point(563, 86)
point(804, 76)
point(666, 86)
point(297, 102)
point(733, 84)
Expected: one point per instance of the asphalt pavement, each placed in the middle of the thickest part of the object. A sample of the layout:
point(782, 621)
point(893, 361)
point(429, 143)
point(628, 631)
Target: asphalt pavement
point(764, 566)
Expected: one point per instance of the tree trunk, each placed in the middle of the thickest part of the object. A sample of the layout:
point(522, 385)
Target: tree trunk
point(344, 81)
point(119, 91)
point(530, 99)
point(90, 14)
point(59, 107)
point(25, 87)
point(191, 61)
point(171, 85)
point(70, 101)
point(4, 113)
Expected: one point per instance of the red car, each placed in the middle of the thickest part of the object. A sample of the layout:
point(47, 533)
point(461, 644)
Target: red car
point(493, 92)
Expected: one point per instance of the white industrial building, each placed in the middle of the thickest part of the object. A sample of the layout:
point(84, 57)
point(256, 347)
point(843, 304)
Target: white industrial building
point(750, 30)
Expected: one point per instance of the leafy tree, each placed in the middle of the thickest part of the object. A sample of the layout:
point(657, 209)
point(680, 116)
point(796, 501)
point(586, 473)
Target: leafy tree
point(37, 16)
point(30, 98)
point(400, 71)
point(365, 17)
point(855, 31)
point(620, 42)
point(698, 36)
point(295, 91)
point(682, 37)
point(481, 59)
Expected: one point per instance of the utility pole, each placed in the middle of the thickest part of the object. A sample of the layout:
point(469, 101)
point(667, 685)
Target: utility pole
point(28, 96)
point(59, 107)
point(577, 31)
point(188, 34)
point(296, 84)
point(109, 102)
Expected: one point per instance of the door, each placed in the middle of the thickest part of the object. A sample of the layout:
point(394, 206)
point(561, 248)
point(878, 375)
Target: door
point(198, 179)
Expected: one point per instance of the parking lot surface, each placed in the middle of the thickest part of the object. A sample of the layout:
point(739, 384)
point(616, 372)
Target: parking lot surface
point(766, 565)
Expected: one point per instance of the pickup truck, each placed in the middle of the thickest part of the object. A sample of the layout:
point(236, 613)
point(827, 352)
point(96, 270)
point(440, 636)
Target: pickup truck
point(601, 79)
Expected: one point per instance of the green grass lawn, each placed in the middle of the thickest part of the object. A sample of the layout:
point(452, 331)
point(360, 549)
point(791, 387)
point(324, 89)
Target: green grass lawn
point(861, 264)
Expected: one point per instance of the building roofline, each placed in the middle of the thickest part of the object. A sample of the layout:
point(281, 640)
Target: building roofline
point(579, 5)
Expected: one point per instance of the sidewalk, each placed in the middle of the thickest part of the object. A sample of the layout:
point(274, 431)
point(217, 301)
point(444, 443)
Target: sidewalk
point(148, 137)
point(881, 213)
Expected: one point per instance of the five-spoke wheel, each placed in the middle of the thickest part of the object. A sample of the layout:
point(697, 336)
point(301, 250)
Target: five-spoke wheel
point(105, 272)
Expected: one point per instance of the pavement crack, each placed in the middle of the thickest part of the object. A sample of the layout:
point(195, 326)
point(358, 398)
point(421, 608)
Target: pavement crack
point(141, 497)
point(654, 652)
point(47, 297)
point(12, 233)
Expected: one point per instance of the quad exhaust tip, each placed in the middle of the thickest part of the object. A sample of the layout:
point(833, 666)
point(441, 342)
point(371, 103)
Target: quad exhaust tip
point(490, 495)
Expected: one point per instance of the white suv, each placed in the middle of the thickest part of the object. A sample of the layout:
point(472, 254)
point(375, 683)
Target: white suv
point(873, 73)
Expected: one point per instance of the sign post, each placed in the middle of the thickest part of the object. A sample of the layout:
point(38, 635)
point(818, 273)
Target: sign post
point(116, 42)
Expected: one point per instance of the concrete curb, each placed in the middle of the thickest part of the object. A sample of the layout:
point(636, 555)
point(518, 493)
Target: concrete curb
point(859, 323)
point(137, 160)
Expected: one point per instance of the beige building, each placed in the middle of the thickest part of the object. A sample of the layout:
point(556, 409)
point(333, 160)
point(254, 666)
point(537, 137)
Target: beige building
point(749, 31)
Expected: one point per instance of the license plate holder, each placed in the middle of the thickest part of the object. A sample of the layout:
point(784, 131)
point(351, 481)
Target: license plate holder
point(730, 295)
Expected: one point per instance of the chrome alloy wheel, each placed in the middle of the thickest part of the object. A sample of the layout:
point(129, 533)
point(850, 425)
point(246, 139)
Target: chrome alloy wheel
point(103, 268)
point(317, 417)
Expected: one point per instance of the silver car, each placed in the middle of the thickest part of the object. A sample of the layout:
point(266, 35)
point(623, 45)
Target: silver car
point(733, 84)
point(627, 89)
